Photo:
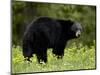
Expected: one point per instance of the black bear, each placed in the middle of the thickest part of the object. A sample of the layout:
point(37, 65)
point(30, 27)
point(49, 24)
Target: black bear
point(46, 32)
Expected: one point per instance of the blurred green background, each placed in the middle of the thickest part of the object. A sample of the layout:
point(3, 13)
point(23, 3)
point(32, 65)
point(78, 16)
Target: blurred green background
point(24, 12)
point(80, 54)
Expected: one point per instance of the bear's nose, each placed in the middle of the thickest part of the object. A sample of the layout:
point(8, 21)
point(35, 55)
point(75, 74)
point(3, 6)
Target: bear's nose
point(78, 33)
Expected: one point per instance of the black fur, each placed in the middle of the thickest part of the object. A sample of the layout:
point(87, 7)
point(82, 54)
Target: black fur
point(44, 33)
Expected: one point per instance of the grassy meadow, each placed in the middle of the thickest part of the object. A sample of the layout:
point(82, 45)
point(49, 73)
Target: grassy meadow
point(76, 58)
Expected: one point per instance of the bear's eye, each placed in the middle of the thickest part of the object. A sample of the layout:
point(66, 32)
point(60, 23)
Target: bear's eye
point(76, 26)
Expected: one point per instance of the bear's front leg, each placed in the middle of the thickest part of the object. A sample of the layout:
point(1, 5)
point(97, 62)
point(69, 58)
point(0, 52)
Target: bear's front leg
point(58, 50)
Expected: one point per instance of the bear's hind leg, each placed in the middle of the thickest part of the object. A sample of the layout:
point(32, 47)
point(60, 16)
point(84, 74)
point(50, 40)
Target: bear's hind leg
point(27, 52)
point(42, 55)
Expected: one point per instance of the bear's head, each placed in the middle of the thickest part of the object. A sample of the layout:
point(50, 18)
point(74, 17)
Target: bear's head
point(76, 29)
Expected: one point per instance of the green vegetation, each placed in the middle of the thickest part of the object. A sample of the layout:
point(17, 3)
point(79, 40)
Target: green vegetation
point(79, 54)
point(25, 12)
point(76, 58)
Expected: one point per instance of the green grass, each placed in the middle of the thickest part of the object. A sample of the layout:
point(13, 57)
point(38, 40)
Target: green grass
point(75, 58)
